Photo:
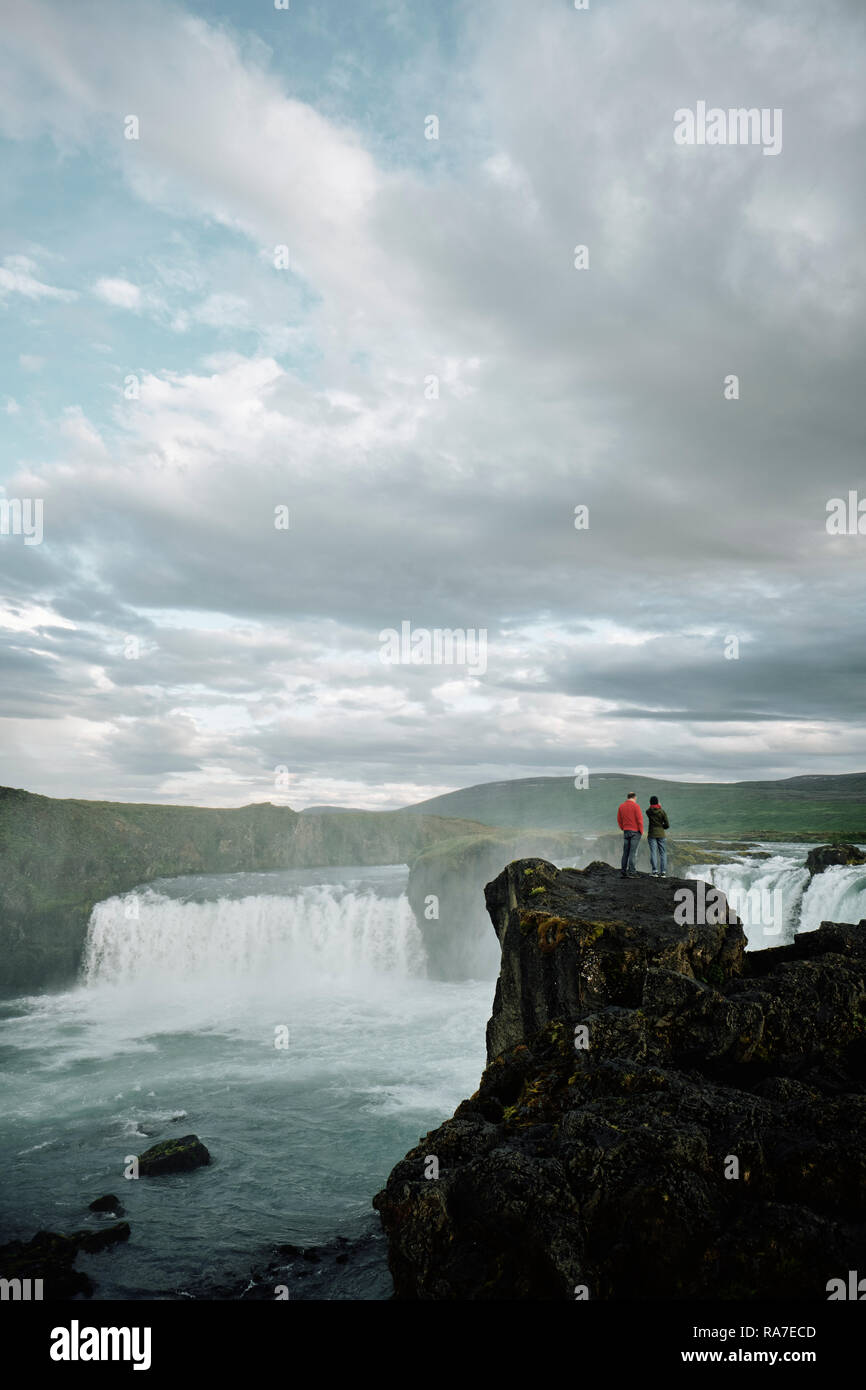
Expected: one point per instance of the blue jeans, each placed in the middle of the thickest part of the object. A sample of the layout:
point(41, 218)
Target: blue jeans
point(630, 842)
point(658, 850)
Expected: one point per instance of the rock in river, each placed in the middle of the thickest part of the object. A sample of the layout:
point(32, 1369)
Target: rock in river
point(173, 1156)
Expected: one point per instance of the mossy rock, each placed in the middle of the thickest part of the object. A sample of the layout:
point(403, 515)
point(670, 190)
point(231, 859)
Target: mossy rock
point(173, 1156)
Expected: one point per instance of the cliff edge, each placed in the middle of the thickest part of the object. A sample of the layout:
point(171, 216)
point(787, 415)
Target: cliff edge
point(662, 1115)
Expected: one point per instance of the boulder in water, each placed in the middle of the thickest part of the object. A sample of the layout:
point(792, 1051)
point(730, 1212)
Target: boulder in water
point(107, 1203)
point(173, 1156)
point(832, 856)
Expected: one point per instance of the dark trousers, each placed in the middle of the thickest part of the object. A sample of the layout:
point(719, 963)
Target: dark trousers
point(630, 842)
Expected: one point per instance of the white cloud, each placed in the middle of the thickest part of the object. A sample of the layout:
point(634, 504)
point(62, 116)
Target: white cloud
point(556, 389)
point(77, 427)
point(29, 617)
point(16, 277)
point(121, 293)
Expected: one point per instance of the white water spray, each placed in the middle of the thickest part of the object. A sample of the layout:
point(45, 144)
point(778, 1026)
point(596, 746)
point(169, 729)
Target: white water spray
point(319, 931)
point(836, 895)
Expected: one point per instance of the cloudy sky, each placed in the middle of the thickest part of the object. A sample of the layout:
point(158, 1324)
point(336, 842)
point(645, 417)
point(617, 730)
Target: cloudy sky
point(430, 386)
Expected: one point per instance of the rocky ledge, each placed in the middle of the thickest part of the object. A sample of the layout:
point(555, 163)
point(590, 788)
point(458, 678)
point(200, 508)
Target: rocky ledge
point(662, 1115)
point(831, 856)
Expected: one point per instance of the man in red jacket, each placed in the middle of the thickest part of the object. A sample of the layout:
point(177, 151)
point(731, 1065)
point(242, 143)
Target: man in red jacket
point(629, 818)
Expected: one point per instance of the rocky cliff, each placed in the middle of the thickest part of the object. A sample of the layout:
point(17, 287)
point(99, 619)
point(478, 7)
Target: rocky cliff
point(662, 1115)
point(58, 858)
point(446, 893)
point(446, 886)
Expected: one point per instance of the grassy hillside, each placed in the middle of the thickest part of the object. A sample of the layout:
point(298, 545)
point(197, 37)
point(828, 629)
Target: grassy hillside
point(814, 807)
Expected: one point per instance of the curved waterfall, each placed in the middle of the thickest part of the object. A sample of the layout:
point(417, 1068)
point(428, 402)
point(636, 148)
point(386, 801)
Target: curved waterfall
point(317, 930)
point(285, 1017)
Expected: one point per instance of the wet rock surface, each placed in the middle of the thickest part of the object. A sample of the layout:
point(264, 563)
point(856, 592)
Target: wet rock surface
point(662, 1114)
point(108, 1203)
point(173, 1156)
point(50, 1257)
point(831, 856)
point(343, 1269)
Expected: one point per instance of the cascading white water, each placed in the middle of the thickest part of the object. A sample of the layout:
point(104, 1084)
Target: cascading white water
point(284, 1017)
point(321, 929)
point(836, 895)
point(756, 888)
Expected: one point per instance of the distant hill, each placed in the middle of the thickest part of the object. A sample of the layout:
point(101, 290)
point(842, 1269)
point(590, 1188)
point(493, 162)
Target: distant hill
point(813, 807)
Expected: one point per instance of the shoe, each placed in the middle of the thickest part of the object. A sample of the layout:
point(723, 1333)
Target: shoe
point(662, 875)
point(623, 875)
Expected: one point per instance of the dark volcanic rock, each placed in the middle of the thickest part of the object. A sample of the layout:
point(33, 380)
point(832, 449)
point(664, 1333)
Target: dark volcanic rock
point(107, 1203)
point(575, 940)
point(451, 874)
point(828, 856)
point(660, 1116)
point(51, 1258)
point(173, 1156)
point(343, 1269)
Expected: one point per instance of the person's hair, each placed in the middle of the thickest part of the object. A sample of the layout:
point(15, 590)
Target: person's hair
point(654, 801)
point(631, 794)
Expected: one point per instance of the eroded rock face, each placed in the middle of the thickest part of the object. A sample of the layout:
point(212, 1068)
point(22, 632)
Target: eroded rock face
point(574, 940)
point(708, 1140)
point(829, 856)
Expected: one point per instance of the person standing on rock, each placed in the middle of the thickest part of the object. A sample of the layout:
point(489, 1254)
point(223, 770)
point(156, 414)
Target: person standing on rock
point(629, 818)
point(658, 824)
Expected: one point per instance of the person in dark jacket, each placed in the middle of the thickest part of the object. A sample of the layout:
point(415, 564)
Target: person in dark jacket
point(658, 823)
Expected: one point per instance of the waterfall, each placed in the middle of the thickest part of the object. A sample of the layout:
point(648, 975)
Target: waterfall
point(775, 898)
point(321, 930)
point(836, 895)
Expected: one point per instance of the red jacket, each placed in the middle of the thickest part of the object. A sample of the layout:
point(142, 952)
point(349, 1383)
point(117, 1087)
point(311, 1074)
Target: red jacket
point(630, 817)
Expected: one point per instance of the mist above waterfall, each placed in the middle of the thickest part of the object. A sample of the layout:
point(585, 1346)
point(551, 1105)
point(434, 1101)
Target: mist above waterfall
point(278, 937)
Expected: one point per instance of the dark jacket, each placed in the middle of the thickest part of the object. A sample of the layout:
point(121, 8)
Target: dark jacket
point(658, 823)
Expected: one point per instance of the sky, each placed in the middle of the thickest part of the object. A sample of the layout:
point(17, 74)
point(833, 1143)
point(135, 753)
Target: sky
point(298, 349)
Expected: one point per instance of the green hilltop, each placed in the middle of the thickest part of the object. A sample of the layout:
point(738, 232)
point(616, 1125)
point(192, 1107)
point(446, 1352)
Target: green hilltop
point(819, 807)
